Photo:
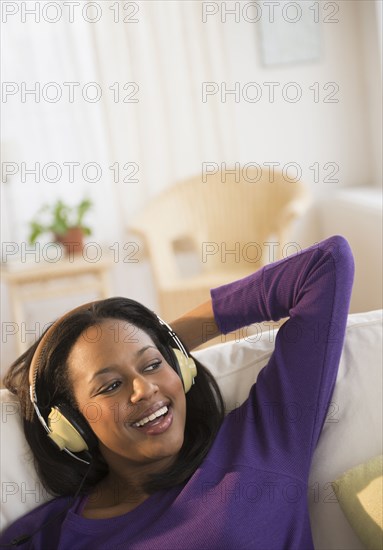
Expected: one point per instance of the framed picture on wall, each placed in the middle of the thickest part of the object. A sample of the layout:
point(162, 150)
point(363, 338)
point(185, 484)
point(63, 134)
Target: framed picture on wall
point(290, 32)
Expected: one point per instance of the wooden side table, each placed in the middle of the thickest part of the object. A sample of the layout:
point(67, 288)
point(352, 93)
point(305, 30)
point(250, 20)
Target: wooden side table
point(70, 275)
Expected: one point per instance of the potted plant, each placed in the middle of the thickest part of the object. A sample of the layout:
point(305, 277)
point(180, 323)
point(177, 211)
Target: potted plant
point(66, 223)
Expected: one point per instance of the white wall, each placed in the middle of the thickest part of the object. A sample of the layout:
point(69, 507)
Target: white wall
point(370, 15)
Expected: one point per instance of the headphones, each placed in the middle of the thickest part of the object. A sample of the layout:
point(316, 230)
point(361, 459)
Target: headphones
point(67, 427)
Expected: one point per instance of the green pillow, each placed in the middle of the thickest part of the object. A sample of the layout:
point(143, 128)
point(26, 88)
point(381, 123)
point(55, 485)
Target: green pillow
point(360, 494)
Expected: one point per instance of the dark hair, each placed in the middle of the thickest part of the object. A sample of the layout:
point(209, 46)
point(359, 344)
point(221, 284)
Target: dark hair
point(204, 403)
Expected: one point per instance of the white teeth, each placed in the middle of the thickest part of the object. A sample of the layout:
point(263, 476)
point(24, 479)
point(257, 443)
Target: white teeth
point(147, 419)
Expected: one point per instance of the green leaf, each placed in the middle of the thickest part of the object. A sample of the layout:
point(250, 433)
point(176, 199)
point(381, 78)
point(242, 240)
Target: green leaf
point(62, 217)
point(82, 209)
point(36, 229)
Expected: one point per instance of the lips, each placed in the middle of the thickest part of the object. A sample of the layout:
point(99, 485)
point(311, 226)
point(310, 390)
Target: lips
point(150, 411)
point(156, 415)
point(157, 426)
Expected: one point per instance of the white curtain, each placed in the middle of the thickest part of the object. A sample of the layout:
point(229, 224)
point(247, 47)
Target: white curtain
point(164, 53)
point(162, 135)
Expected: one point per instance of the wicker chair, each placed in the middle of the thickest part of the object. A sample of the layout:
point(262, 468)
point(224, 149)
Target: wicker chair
point(228, 226)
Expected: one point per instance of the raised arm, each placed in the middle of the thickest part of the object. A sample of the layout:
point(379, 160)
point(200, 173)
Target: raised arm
point(245, 301)
point(197, 326)
point(312, 288)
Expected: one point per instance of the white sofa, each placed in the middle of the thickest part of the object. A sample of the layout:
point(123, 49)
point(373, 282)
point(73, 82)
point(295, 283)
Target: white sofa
point(352, 433)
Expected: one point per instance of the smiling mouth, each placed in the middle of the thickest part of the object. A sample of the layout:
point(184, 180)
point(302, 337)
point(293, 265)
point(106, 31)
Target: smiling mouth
point(163, 411)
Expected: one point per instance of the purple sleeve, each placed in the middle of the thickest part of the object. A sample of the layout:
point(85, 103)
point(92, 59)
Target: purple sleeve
point(50, 515)
point(312, 288)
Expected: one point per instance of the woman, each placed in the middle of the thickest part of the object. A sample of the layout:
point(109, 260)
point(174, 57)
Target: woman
point(189, 478)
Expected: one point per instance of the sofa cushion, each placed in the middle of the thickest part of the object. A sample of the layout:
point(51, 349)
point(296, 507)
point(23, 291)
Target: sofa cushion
point(360, 495)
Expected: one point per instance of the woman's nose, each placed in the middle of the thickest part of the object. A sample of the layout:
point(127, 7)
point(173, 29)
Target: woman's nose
point(142, 389)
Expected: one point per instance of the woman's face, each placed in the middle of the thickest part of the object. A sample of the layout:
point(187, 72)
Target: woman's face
point(120, 378)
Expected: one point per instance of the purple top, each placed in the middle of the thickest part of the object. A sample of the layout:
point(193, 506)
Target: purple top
point(251, 490)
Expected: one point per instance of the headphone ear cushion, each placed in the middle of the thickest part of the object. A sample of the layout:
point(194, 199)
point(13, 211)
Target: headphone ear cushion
point(70, 430)
point(187, 369)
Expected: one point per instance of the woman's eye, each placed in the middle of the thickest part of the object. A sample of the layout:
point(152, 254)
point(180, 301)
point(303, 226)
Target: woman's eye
point(111, 387)
point(153, 366)
point(114, 385)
